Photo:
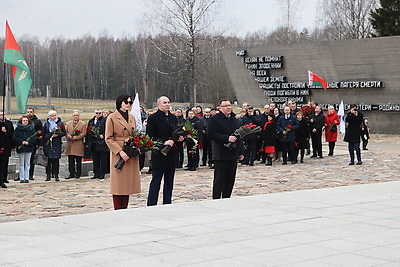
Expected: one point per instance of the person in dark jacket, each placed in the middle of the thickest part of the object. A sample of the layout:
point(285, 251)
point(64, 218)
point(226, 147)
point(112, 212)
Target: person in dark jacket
point(6, 144)
point(287, 125)
point(179, 145)
point(160, 127)
point(262, 119)
point(302, 135)
point(365, 134)
point(221, 127)
point(269, 138)
point(278, 142)
point(207, 151)
point(38, 125)
point(352, 136)
point(53, 131)
point(192, 147)
point(250, 141)
point(317, 122)
point(96, 144)
point(25, 140)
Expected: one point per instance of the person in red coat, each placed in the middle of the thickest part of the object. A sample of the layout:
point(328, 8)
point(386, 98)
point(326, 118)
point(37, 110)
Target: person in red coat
point(332, 120)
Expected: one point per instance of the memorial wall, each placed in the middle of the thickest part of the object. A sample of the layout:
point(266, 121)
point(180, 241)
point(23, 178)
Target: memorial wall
point(362, 71)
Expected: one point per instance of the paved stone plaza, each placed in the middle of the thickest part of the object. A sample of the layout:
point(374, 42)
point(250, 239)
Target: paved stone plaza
point(342, 226)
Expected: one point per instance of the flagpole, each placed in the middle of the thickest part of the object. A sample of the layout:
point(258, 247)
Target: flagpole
point(4, 90)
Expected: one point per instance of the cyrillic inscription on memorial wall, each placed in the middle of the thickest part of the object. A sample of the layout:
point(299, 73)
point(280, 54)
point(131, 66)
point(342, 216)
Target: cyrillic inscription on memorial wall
point(278, 89)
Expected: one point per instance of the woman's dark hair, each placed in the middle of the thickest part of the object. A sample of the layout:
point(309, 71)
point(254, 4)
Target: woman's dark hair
point(25, 117)
point(121, 98)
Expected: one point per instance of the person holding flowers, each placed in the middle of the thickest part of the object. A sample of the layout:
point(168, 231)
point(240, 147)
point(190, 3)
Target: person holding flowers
point(120, 127)
point(287, 125)
point(24, 138)
point(53, 131)
point(75, 133)
point(38, 125)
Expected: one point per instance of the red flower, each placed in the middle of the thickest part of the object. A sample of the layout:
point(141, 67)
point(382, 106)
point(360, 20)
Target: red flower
point(2, 150)
point(62, 126)
point(89, 129)
point(290, 126)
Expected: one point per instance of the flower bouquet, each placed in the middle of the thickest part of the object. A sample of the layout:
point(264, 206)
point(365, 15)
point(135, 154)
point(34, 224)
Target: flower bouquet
point(58, 131)
point(242, 132)
point(307, 110)
point(186, 130)
point(94, 131)
point(138, 144)
point(35, 135)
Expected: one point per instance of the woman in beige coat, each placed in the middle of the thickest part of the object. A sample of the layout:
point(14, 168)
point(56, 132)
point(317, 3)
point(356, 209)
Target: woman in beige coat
point(75, 133)
point(120, 126)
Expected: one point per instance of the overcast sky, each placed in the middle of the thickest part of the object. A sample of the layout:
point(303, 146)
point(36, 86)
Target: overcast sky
point(75, 18)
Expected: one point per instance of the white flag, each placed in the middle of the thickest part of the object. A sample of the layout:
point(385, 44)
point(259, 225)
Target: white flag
point(135, 111)
point(342, 119)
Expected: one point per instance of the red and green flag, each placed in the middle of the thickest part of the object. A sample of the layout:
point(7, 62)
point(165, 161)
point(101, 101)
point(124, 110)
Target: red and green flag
point(315, 80)
point(20, 70)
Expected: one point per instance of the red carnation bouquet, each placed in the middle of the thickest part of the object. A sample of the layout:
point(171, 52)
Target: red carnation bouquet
point(307, 110)
point(138, 144)
point(94, 131)
point(57, 131)
point(76, 132)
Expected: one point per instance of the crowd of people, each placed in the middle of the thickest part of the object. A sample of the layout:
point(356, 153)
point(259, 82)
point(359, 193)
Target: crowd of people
point(287, 135)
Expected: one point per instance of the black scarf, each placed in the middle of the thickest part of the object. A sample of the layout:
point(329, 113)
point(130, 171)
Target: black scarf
point(124, 114)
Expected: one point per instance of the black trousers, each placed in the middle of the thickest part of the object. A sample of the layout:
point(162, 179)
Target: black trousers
point(224, 178)
point(288, 148)
point(316, 139)
point(207, 153)
point(155, 184)
point(251, 151)
point(180, 157)
point(53, 167)
point(32, 166)
point(193, 158)
point(75, 165)
point(4, 168)
point(99, 159)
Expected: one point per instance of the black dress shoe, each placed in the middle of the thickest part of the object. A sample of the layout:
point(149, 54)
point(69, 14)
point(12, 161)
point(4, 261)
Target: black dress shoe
point(6, 181)
point(351, 163)
point(321, 157)
point(2, 185)
point(31, 178)
point(69, 177)
point(359, 163)
point(94, 177)
point(313, 156)
point(16, 179)
point(77, 177)
point(212, 167)
point(251, 164)
point(192, 169)
point(284, 163)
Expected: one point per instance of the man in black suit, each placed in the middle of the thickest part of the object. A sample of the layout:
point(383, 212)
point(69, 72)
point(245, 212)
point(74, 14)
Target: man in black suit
point(96, 144)
point(6, 143)
point(220, 131)
point(317, 122)
point(160, 127)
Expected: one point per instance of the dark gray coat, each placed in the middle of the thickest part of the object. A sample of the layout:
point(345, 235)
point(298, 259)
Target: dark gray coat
point(353, 130)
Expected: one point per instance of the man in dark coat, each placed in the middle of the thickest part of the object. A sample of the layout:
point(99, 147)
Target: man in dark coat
point(96, 144)
point(192, 148)
point(354, 119)
point(38, 125)
point(6, 144)
point(221, 127)
point(251, 139)
point(207, 152)
point(317, 122)
point(160, 127)
point(287, 125)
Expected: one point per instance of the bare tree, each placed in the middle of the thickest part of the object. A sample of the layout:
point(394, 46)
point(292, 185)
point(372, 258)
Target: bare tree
point(349, 19)
point(289, 16)
point(183, 21)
